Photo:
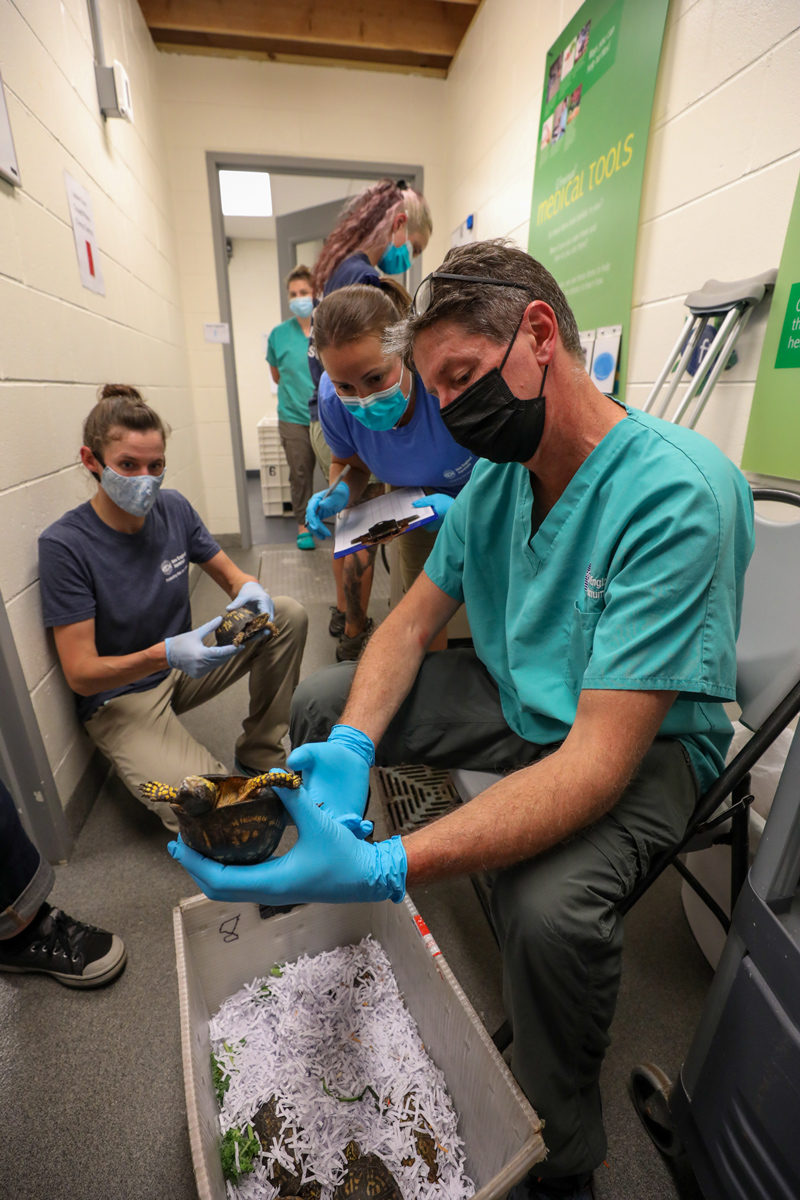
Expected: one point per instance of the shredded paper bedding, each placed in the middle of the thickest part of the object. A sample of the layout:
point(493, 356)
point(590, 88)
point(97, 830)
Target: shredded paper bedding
point(329, 1041)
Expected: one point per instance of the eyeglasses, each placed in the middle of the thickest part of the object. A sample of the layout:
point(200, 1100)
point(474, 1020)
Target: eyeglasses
point(423, 297)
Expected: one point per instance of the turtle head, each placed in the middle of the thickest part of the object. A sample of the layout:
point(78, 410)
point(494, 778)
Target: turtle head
point(195, 795)
point(352, 1151)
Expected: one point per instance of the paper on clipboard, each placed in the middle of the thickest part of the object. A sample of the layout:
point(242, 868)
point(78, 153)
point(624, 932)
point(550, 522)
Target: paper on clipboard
point(354, 523)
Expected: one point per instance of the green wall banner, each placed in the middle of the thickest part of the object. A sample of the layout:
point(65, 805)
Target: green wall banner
point(772, 445)
point(598, 96)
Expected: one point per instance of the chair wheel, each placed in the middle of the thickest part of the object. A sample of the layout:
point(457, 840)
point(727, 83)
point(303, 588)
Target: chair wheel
point(650, 1092)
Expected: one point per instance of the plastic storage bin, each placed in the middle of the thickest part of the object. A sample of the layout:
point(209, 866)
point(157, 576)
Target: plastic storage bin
point(276, 496)
point(220, 947)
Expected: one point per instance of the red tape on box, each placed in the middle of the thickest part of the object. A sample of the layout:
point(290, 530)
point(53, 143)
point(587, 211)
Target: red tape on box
point(427, 937)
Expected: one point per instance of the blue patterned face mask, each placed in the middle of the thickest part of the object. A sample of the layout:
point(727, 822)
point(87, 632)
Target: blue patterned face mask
point(396, 259)
point(302, 306)
point(134, 494)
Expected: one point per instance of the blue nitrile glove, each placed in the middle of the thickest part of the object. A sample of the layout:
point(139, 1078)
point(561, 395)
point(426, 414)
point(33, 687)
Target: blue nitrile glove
point(336, 775)
point(439, 502)
point(328, 864)
point(317, 508)
point(188, 653)
point(252, 595)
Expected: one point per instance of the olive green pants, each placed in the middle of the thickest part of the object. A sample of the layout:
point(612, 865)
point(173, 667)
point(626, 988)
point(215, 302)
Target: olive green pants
point(555, 915)
point(301, 458)
point(141, 734)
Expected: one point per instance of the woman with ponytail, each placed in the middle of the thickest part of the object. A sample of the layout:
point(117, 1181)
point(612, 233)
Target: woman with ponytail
point(381, 229)
point(114, 578)
point(377, 416)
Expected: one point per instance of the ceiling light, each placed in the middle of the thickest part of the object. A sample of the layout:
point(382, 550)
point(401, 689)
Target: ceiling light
point(245, 193)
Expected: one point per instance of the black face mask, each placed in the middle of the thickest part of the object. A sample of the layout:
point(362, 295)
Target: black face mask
point(490, 421)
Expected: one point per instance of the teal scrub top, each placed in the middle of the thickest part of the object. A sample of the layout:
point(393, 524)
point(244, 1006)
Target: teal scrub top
point(633, 581)
point(287, 349)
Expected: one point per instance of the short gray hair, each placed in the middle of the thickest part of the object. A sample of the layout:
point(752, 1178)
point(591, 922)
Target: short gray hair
point(492, 312)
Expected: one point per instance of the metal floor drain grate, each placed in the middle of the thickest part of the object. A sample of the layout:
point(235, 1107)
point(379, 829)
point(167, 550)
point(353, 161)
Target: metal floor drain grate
point(412, 796)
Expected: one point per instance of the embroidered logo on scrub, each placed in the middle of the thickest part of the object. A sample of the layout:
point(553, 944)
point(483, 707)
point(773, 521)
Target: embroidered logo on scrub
point(595, 588)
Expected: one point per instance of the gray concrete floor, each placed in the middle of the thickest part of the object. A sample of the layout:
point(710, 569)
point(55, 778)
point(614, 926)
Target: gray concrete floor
point(91, 1090)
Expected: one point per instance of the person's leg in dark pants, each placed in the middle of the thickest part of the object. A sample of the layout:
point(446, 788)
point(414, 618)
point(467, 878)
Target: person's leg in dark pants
point(450, 718)
point(26, 880)
point(561, 941)
point(34, 937)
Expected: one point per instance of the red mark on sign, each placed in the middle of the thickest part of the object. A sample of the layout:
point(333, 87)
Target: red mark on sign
point(91, 260)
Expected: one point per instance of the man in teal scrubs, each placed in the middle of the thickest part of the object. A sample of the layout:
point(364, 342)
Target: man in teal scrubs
point(600, 553)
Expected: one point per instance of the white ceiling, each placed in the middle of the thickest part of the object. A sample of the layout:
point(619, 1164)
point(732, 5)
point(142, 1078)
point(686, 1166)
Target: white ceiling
point(289, 194)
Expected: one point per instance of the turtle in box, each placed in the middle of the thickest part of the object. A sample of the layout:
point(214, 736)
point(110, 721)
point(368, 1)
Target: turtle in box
point(229, 818)
point(367, 1177)
point(271, 1128)
point(242, 624)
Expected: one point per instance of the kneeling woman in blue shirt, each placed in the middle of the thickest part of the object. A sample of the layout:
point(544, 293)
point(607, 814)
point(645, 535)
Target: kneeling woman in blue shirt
point(115, 590)
point(377, 417)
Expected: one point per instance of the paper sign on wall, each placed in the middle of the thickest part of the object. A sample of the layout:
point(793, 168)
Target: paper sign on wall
point(9, 168)
point(219, 332)
point(606, 357)
point(80, 211)
point(587, 337)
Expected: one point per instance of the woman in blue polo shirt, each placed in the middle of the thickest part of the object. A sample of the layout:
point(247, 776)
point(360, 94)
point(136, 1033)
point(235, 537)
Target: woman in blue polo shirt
point(377, 417)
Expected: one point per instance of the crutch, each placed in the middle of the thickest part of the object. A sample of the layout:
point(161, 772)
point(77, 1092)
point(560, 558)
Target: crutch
point(733, 303)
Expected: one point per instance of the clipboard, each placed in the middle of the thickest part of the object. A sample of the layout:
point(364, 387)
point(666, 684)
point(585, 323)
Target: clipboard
point(393, 513)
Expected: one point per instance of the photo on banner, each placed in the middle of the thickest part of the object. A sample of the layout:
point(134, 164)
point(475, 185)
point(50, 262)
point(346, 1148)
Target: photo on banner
point(592, 136)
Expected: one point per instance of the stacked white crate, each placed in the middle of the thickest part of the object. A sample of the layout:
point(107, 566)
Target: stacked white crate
point(276, 496)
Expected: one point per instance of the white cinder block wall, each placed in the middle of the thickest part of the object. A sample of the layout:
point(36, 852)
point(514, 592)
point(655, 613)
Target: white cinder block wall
point(58, 341)
point(721, 172)
point(275, 108)
point(255, 311)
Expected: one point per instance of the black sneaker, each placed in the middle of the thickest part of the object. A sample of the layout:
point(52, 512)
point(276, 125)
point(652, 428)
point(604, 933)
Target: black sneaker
point(77, 955)
point(349, 648)
point(336, 623)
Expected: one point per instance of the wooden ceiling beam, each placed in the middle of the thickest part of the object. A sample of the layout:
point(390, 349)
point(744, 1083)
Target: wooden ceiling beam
point(313, 54)
point(426, 27)
point(306, 59)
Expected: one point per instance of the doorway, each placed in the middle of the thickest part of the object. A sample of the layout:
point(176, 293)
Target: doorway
point(307, 198)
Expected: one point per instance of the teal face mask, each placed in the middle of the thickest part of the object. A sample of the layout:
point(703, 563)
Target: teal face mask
point(302, 306)
point(396, 259)
point(381, 410)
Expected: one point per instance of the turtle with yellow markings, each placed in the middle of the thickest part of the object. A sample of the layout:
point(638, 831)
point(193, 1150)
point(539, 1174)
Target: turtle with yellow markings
point(230, 818)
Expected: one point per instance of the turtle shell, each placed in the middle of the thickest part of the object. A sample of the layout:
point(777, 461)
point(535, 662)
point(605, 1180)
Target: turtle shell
point(367, 1178)
point(426, 1145)
point(269, 1127)
point(242, 624)
point(241, 825)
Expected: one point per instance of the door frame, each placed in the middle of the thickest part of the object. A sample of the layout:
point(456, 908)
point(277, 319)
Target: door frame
point(305, 225)
point(276, 164)
point(25, 767)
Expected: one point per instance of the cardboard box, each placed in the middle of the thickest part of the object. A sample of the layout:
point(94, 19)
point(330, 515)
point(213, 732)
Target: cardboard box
point(220, 947)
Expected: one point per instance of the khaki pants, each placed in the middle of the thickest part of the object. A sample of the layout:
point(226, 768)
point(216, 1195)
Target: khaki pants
point(413, 549)
point(300, 457)
point(321, 448)
point(141, 734)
